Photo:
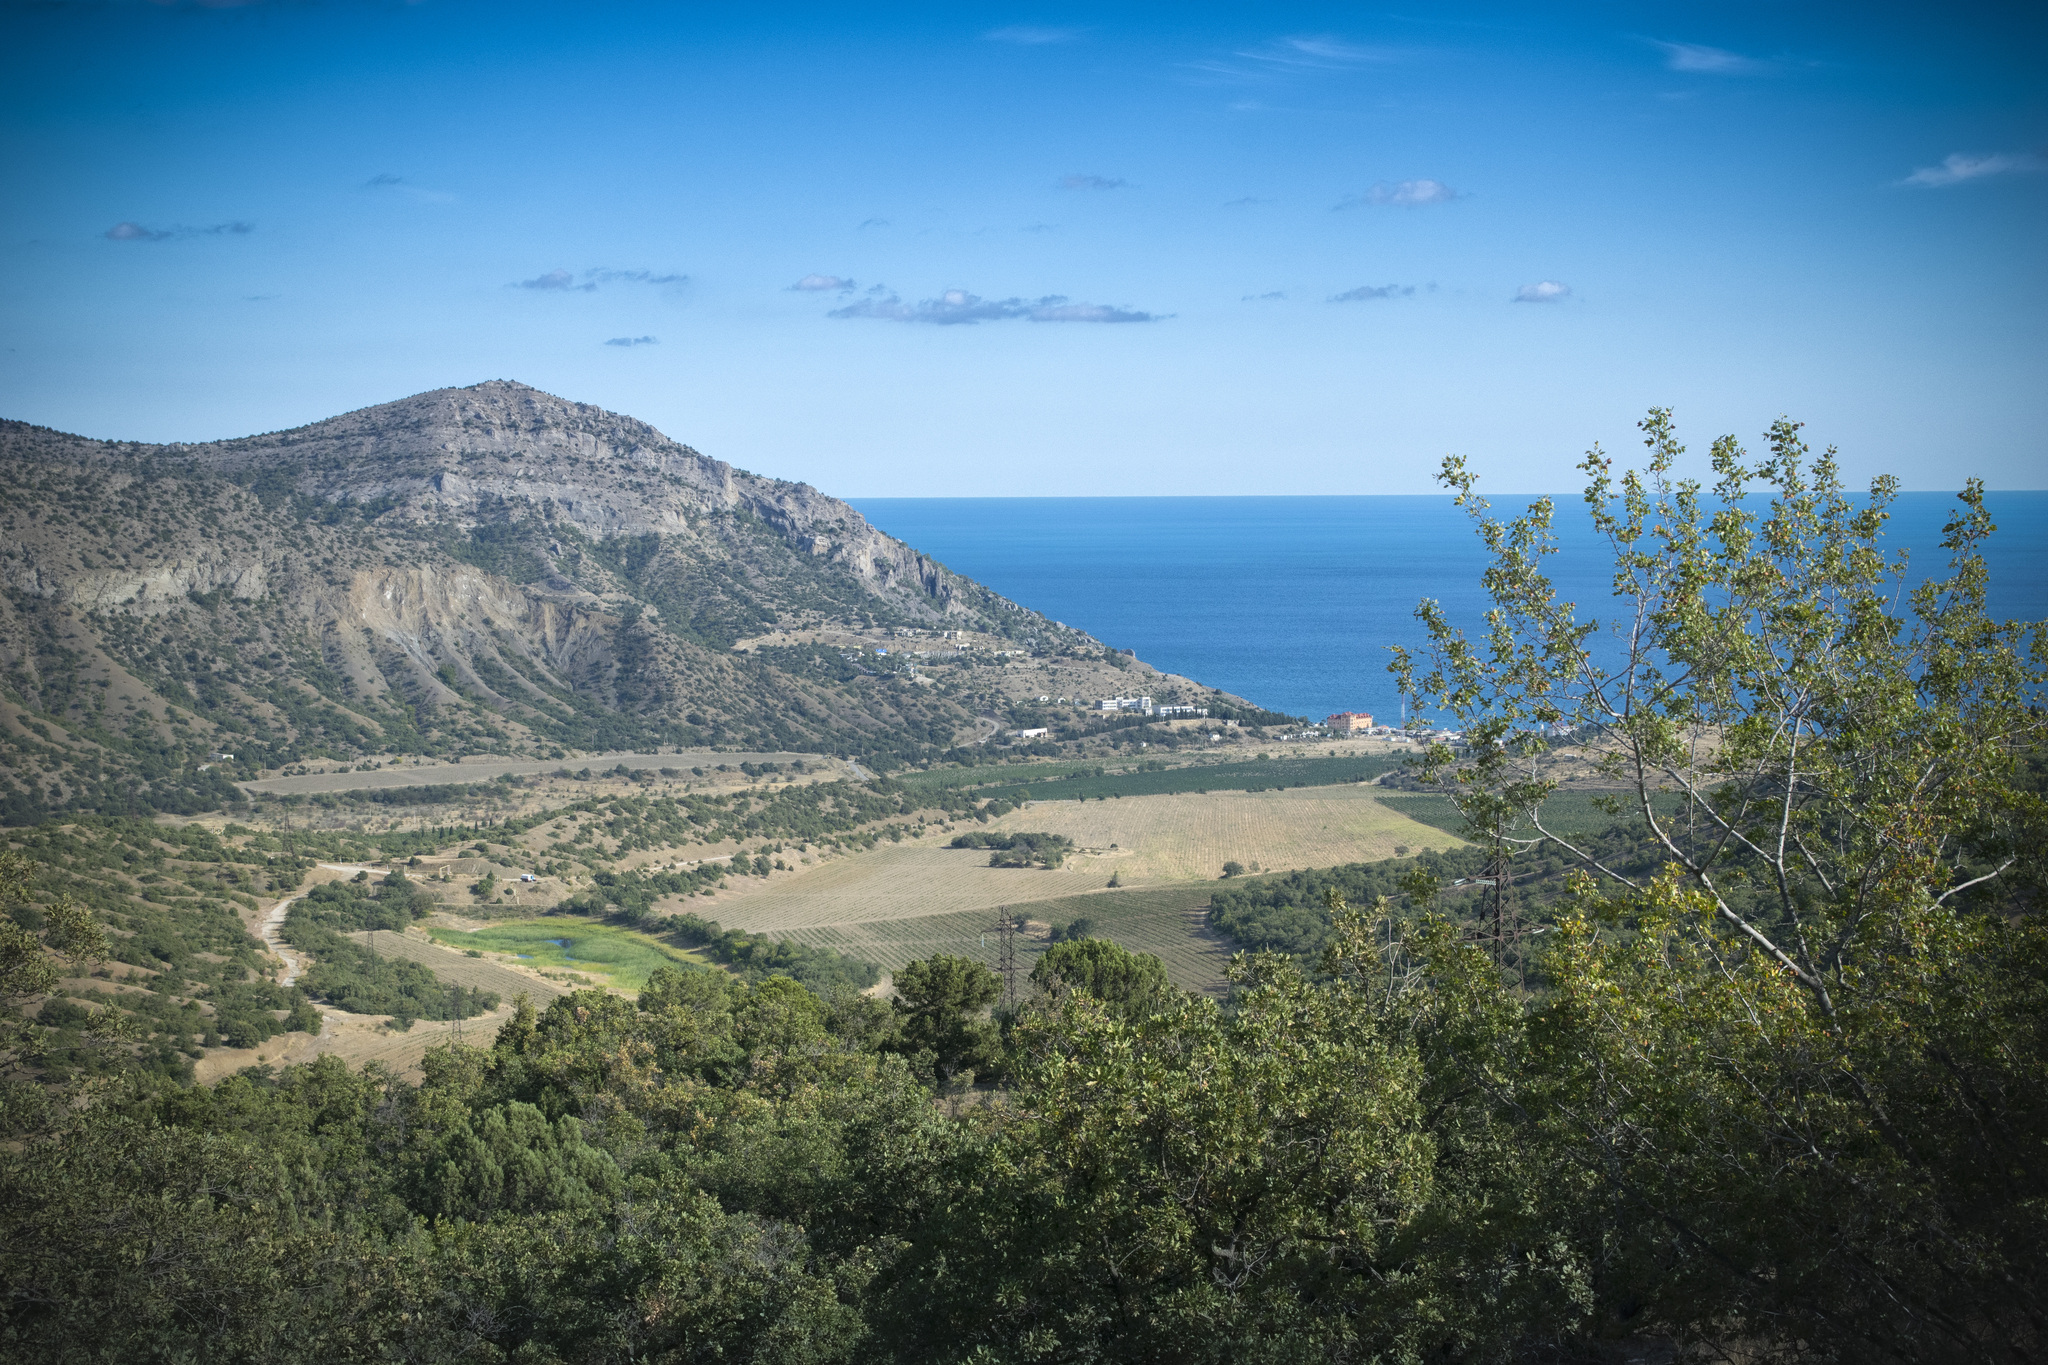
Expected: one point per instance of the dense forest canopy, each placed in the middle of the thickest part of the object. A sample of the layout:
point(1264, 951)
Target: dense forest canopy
point(1758, 1070)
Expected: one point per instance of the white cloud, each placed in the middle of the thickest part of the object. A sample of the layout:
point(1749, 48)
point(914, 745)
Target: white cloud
point(1404, 194)
point(1703, 60)
point(1031, 35)
point(957, 307)
point(1091, 182)
point(136, 232)
point(1366, 292)
point(815, 284)
point(1957, 167)
point(1544, 291)
point(634, 341)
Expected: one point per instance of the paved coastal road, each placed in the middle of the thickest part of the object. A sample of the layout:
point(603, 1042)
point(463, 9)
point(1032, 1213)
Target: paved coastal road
point(483, 769)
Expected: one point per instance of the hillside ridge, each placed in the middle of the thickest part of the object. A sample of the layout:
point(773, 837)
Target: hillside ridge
point(482, 569)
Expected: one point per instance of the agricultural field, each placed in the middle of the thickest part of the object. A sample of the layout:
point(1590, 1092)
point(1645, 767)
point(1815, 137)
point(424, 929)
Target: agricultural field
point(1167, 922)
point(601, 954)
point(909, 900)
point(910, 880)
point(1189, 837)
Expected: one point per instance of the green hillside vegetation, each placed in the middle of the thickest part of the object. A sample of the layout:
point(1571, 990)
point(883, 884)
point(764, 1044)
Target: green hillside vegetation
point(180, 973)
point(1766, 1088)
point(756, 957)
point(350, 975)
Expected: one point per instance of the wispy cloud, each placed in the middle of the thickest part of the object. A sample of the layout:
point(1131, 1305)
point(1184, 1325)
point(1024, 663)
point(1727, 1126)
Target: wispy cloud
point(1957, 167)
point(957, 307)
point(565, 282)
point(818, 284)
point(1700, 59)
point(1031, 35)
point(634, 341)
point(1403, 194)
point(1264, 298)
point(874, 222)
point(1246, 202)
point(1366, 292)
point(604, 276)
point(387, 183)
point(1543, 291)
point(136, 232)
point(1320, 51)
point(1091, 182)
point(559, 281)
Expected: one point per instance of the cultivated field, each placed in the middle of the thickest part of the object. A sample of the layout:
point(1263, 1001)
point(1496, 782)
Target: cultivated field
point(1164, 921)
point(1189, 837)
point(909, 900)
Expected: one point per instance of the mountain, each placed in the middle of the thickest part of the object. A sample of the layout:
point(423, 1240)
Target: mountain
point(486, 569)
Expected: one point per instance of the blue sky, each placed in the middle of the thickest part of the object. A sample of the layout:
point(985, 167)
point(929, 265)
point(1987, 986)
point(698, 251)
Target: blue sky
point(962, 250)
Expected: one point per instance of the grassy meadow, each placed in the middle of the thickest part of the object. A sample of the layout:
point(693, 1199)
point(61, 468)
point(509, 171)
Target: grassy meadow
point(616, 957)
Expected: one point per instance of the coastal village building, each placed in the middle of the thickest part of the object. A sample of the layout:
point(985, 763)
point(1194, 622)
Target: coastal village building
point(1349, 723)
point(1143, 704)
point(1030, 734)
point(1171, 712)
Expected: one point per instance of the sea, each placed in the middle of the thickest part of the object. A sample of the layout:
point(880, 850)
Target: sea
point(1293, 602)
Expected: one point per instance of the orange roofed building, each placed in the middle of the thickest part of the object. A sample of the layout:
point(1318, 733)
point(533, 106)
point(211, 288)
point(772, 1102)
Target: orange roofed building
point(1349, 723)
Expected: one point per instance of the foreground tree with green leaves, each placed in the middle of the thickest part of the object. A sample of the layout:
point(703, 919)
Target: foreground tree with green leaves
point(1803, 1069)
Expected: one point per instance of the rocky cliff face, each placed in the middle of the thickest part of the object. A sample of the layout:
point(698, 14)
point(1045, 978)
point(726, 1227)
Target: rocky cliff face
point(481, 568)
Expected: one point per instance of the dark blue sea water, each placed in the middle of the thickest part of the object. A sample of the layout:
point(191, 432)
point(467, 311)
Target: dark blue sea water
point(1292, 601)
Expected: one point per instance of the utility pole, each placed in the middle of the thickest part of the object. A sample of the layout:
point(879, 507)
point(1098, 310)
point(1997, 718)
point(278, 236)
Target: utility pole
point(1006, 954)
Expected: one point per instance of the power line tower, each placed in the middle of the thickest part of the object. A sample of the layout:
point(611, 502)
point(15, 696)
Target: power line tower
point(456, 991)
point(1500, 926)
point(1006, 954)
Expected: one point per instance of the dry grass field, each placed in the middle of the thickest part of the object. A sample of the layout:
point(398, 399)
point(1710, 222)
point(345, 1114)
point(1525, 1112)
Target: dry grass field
point(909, 900)
point(895, 881)
point(1189, 837)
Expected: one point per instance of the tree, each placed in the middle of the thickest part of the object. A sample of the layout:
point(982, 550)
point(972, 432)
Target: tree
point(1805, 1062)
point(1126, 983)
point(939, 1001)
point(1307, 1175)
point(36, 936)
